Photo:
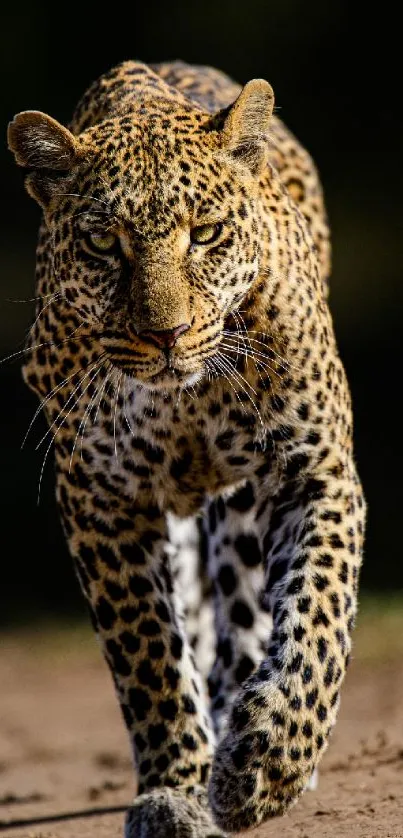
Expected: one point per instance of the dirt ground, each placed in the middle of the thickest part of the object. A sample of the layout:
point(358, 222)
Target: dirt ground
point(65, 768)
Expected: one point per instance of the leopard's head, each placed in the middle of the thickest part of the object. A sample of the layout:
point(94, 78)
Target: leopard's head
point(153, 217)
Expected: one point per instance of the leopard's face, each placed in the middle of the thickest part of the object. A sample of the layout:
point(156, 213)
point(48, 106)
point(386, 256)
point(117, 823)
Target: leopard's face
point(165, 234)
point(154, 227)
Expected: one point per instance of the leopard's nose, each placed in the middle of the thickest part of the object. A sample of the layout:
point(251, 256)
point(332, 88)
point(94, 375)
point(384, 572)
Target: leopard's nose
point(164, 338)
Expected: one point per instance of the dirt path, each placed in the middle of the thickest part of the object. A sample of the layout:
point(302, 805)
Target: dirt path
point(63, 749)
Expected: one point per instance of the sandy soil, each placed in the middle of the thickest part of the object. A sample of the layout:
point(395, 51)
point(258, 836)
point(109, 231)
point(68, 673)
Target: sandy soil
point(65, 765)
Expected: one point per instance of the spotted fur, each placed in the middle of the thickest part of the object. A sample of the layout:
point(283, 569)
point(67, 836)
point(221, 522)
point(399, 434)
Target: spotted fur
point(198, 380)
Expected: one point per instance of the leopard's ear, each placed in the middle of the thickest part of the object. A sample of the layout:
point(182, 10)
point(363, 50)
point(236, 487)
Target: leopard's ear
point(246, 125)
point(48, 149)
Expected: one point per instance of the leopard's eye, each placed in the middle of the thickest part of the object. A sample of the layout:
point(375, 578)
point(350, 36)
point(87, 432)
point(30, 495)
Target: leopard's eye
point(205, 234)
point(102, 242)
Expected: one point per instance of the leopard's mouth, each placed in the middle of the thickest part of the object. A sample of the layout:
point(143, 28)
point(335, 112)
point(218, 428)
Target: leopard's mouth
point(168, 377)
point(171, 378)
point(160, 368)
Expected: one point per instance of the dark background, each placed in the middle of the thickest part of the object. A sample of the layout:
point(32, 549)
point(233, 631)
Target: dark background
point(336, 72)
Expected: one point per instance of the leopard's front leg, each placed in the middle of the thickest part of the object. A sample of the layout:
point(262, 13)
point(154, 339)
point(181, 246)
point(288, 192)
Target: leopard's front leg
point(281, 719)
point(235, 567)
point(118, 544)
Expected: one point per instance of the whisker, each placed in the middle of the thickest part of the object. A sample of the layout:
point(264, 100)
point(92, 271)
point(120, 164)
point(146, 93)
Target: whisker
point(86, 374)
point(49, 303)
point(83, 197)
point(239, 337)
point(46, 343)
point(87, 413)
point(270, 348)
point(53, 437)
point(252, 341)
point(238, 377)
point(42, 470)
point(256, 355)
point(192, 388)
point(29, 299)
point(107, 378)
point(217, 367)
point(45, 400)
point(284, 361)
point(89, 212)
point(242, 329)
point(236, 372)
point(114, 413)
point(93, 377)
point(239, 316)
point(124, 408)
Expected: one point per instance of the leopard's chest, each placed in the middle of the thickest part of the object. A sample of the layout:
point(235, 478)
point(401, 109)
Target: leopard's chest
point(176, 449)
point(181, 452)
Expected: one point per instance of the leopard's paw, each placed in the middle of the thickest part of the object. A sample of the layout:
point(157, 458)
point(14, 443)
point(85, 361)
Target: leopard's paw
point(252, 780)
point(167, 813)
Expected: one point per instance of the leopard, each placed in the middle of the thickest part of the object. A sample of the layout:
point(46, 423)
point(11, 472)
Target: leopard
point(200, 422)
